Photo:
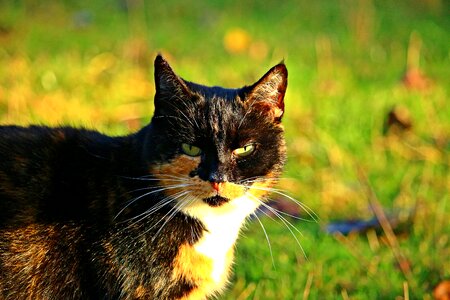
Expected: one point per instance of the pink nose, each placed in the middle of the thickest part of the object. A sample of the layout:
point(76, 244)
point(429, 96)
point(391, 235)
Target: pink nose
point(215, 186)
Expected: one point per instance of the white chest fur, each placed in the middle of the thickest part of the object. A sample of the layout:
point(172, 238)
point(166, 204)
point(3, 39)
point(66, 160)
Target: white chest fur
point(223, 225)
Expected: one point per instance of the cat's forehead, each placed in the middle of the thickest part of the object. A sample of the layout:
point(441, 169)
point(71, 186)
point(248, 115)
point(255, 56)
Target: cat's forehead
point(219, 105)
point(215, 92)
point(219, 110)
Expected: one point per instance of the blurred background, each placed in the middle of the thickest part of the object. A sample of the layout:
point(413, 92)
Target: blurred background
point(367, 121)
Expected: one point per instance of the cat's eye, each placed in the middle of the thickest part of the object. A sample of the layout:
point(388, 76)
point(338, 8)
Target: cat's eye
point(191, 150)
point(244, 151)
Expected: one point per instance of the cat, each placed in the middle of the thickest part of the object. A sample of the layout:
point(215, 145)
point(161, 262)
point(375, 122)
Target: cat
point(151, 215)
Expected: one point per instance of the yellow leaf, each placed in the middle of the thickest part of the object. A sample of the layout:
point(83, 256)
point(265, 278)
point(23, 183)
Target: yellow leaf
point(236, 40)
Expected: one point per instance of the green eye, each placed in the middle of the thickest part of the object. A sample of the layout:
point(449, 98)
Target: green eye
point(244, 151)
point(191, 150)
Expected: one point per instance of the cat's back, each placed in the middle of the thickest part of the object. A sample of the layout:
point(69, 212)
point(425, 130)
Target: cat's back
point(41, 139)
point(16, 140)
point(36, 152)
point(45, 171)
point(34, 143)
point(26, 159)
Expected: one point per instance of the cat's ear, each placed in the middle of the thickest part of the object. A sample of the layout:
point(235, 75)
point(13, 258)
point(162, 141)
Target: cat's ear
point(169, 86)
point(267, 94)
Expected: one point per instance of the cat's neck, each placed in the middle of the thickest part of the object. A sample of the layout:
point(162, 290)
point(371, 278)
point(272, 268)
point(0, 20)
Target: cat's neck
point(222, 226)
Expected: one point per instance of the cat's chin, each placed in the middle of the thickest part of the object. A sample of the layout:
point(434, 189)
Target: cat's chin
point(216, 201)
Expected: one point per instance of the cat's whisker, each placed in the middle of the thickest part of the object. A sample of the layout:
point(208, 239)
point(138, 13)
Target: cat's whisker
point(172, 209)
point(163, 202)
point(283, 213)
point(172, 199)
point(276, 213)
point(162, 175)
point(156, 179)
point(304, 207)
point(149, 193)
point(137, 219)
point(262, 179)
point(171, 213)
point(159, 177)
point(146, 214)
point(177, 208)
point(288, 224)
point(175, 176)
point(291, 216)
point(267, 238)
point(158, 187)
point(266, 214)
point(251, 180)
point(167, 200)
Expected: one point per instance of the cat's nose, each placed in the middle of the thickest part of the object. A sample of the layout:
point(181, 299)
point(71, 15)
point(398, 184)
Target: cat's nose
point(216, 186)
point(211, 170)
point(216, 177)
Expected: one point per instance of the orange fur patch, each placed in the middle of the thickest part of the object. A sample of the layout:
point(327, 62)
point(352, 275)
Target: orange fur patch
point(32, 236)
point(32, 261)
point(189, 264)
point(180, 167)
point(26, 255)
point(140, 292)
point(198, 268)
point(172, 172)
point(231, 190)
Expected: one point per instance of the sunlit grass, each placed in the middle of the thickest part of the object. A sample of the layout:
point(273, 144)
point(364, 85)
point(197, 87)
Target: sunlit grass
point(350, 62)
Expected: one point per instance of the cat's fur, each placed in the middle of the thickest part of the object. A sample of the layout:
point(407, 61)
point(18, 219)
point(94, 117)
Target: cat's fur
point(88, 216)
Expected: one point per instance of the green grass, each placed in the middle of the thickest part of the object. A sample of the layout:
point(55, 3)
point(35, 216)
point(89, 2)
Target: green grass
point(90, 63)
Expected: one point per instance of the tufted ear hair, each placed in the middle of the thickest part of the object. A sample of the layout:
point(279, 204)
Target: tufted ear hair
point(170, 88)
point(267, 94)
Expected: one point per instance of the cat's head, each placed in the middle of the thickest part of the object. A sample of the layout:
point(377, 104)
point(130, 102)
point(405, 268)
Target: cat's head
point(212, 147)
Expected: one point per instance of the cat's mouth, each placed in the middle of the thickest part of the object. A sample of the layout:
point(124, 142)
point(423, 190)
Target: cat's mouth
point(216, 201)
